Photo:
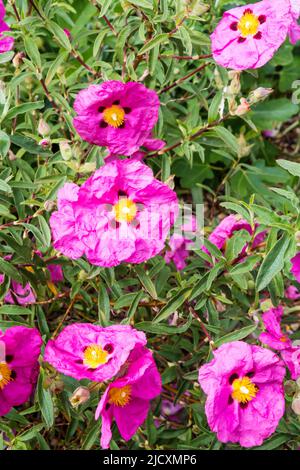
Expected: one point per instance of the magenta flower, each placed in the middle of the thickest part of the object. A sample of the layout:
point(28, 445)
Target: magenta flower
point(17, 294)
point(116, 115)
point(86, 351)
point(273, 336)
point(127, 399)
point(291, 358)
point(120, 214)
point(294, 30)
point(292, 293)
point(296, 267)
point(245, 396)
point(19, 351)
point(247, 37)
point(179, 245)
point(228, 227)
point(6, 42)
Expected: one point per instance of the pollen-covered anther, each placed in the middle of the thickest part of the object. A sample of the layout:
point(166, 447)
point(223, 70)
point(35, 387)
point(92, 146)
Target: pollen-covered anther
point(114, 116)
point(94, 356)
point(120, 396)
point(5, 375)
point(243, 390)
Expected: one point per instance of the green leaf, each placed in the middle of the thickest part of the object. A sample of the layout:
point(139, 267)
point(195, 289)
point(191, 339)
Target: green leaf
point(291, 167)
point(146, 281)
point(273, 263)
point(7, 268)
point(4, 143)
point(228, 138)
point(32, 51)
point(236, 335)
point(24, 108)
point(59, 35)
point(163, 328)
point(29, 144)
point(45, 402)
point(173, 304)
point(236, 243)
point(159, 39)
point(14, 310)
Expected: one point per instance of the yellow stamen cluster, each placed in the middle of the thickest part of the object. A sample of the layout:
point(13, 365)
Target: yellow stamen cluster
point(94, 356)
point(125, 210)
point(114, 116)
point(243, 390)
point(120, 396)
point(248, 25)
point(5, 375)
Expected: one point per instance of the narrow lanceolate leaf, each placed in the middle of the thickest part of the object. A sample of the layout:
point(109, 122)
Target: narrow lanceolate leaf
point(173, 304)
point(273, 263)
point(24, 108)
point(159, 39)
point(45, 402)
point(146, 281)
point(291, 167)
point(236, 335)
point(14, 310)
point(6, 267)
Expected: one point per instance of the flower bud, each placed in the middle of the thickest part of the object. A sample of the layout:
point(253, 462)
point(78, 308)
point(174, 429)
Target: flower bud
point(296, 406)
point(81, 395)
point(45, 143)
point(235, 85)
point(65, 150)
point(67, 33)
point(49, 205)
point(18, 59)
point(243, 108)
point(11, 156)
point(260, 94)
point(43, 128)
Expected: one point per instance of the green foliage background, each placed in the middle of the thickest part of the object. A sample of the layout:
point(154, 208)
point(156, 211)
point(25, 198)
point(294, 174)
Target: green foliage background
point(229, 167)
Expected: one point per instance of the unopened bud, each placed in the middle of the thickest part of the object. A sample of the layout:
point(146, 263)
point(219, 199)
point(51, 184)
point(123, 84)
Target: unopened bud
point(65, 150)
point(18, 59)
point(49, 205)
point(243, 108)
point(260, 94)
point(296, 406)
point(81, 395)
point(67, 33)
point(11, 156)
point(43, 128)
point(45, 143)
point(235, 85)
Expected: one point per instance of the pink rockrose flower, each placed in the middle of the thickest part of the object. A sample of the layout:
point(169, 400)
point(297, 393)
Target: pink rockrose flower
point(179, 245)
point(56, 273)
point(116, 115)
point(120, 214)
point(273, 336)
point(20, 348)
point(86, 351)
point(247, 37)
point(245, 396)
point(296, 267)
point(294, 30)
point(292, 293)
point(291, 357)
point(127, 399)
point(19, 294)
point(6, 42)
point(227, 228)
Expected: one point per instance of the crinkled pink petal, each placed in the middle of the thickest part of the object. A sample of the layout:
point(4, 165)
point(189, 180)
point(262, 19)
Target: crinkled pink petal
point(142, 103)
point(66, 352)
point(254, 51)
point(249, 424)
point(291, 357)
point(296, 267)
point(6, 42)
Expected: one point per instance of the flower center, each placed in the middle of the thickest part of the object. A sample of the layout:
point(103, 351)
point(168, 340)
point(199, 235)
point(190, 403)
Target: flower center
point(120, 396)
point(283, 339)
point(125, 210)
point(248, 25)
point(243, 390)
point(5, 375)
point(114, 116)
point(94, 356)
